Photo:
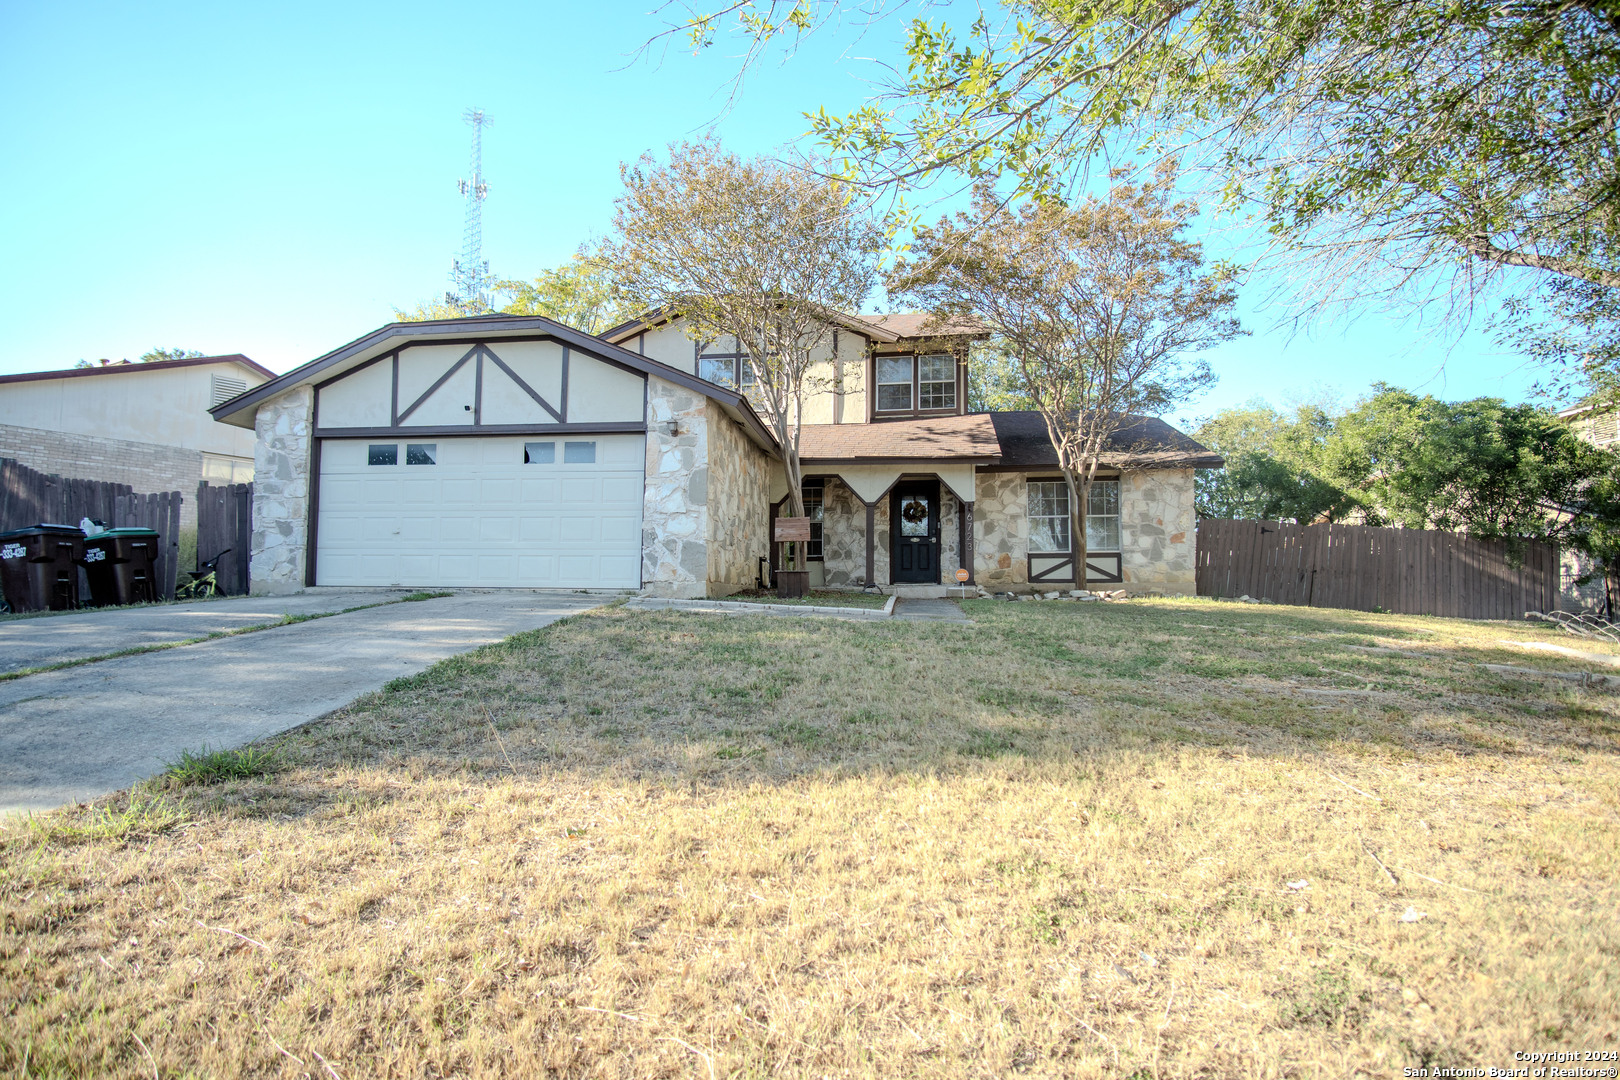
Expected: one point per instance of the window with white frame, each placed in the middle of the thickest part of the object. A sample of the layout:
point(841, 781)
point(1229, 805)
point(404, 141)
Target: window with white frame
point(936, 382)
point(1102, 516)
point(894, 383)
point(813, 490)
point(1048, 516)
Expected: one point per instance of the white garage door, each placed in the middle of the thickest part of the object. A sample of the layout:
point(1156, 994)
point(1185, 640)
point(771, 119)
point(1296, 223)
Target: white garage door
point(524, 511)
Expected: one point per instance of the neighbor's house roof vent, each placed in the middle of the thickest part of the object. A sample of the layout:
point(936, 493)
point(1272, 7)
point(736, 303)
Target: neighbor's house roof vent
point(226, 387)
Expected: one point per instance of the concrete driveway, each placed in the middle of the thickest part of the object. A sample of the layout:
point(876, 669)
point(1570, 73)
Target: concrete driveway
point(51, 639)
point(85, 731)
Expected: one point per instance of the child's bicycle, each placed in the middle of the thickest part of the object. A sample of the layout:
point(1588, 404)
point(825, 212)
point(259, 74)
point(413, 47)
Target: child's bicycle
point(203, 581)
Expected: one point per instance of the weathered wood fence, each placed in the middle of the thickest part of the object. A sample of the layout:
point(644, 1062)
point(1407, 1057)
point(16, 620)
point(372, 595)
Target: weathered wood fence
point(29, 497)
point(225, 521)
point(1407, 571)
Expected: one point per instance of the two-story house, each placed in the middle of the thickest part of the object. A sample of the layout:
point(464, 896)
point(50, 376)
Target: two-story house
point(515, 451)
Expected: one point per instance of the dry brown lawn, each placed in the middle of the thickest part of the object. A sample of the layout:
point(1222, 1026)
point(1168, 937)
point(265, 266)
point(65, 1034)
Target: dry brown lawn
point(1169, 838)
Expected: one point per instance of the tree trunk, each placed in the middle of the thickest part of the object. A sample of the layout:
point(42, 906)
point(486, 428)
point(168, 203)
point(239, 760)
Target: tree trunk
point(1079, 493)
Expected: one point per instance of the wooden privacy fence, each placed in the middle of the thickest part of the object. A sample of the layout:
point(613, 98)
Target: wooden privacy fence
point(1407, 571)
point(225, 520)
point(29, 497)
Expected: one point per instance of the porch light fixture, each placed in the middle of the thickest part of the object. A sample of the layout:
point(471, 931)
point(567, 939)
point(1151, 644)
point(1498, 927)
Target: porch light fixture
point(673, 427)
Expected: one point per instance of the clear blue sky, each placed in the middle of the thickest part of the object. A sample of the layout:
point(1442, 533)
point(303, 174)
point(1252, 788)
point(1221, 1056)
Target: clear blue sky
point(273, 180)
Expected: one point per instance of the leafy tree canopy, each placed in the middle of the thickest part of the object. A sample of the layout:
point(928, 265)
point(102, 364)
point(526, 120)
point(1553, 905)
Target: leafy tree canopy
point(1411, 148)
point(579, 294)
point(154, 355)
point(1098, 311)
point(747, 249)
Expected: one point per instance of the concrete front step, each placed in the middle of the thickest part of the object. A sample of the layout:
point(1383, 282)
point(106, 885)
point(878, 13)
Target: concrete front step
point(916, 592)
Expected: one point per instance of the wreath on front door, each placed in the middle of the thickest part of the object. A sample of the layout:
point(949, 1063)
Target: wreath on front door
point(915, 511)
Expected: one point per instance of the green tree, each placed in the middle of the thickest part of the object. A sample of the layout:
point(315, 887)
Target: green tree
point(1434, 142)
point(155, 355)
point(1103, 307)
point(750, 249)
point(579, 294)
point(1272, 470)
point(993, 381)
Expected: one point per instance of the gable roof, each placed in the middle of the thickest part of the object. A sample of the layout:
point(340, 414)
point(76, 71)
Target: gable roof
point(883, 329)
point(239, 410)
point(1141, 441)
point(959, 438)
point(125, 368)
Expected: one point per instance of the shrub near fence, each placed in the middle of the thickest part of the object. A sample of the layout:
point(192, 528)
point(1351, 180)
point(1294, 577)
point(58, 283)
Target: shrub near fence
point(1408, 571)
point(29, 497)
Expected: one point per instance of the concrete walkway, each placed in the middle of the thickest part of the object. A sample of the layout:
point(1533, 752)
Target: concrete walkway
point(86, 731)
point(51, 639)
point(930, 611)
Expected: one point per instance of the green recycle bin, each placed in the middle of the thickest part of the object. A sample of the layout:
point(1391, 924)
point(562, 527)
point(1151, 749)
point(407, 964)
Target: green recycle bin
point(38, 567)
point(120, 565)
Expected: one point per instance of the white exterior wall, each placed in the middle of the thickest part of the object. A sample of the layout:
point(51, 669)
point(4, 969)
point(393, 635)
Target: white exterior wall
point(164, 406)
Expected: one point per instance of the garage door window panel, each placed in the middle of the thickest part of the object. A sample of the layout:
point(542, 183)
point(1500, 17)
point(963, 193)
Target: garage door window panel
point(579, 453)
point(421, 453)
point(382, 454)
point(539, 453)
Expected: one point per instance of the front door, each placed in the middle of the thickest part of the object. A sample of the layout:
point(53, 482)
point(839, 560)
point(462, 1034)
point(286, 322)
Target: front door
point(914, 528)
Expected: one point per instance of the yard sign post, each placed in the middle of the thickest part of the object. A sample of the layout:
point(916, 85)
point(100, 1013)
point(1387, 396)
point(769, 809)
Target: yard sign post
point(792, 531)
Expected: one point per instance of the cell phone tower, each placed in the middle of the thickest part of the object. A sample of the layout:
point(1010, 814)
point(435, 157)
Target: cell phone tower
point(470, 271)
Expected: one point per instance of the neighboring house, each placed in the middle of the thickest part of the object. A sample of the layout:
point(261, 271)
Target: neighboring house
point(145, 425)
point(516, 451)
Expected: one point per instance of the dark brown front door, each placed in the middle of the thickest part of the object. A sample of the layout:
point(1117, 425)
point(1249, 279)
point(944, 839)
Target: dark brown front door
point(914, 531)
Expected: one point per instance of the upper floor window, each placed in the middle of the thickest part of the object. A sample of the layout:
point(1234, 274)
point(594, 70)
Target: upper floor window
point(894, 383)
point(921, 383)
point(725, 363)
point(936, 382)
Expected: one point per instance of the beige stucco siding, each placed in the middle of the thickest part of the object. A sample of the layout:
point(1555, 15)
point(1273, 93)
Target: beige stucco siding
point(363, 399)
point(666, 344)
point(161, 406)
point(737, 502)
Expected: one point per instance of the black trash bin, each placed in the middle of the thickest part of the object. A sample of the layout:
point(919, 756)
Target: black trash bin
point(39, 567)
point(120, 565)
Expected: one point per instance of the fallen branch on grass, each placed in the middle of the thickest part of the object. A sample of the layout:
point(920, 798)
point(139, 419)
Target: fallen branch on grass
point(1357, 790)
point(1392, 879)
point(234, 934)
point(499, 741)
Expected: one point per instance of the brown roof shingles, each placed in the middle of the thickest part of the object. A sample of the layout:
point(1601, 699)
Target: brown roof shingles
point(971, 438)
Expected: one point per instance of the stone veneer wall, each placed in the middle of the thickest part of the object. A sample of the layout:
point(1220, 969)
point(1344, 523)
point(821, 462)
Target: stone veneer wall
point(738, 499)
point(281, 490)
point(1158, 531)
point(675, 513)
point(1001, 530)
point(843, 536)
point(144, 466)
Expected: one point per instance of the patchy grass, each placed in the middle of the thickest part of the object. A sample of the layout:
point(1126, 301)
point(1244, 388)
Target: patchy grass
point(1147, 838)
point(817, 598)
point(207, 766)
